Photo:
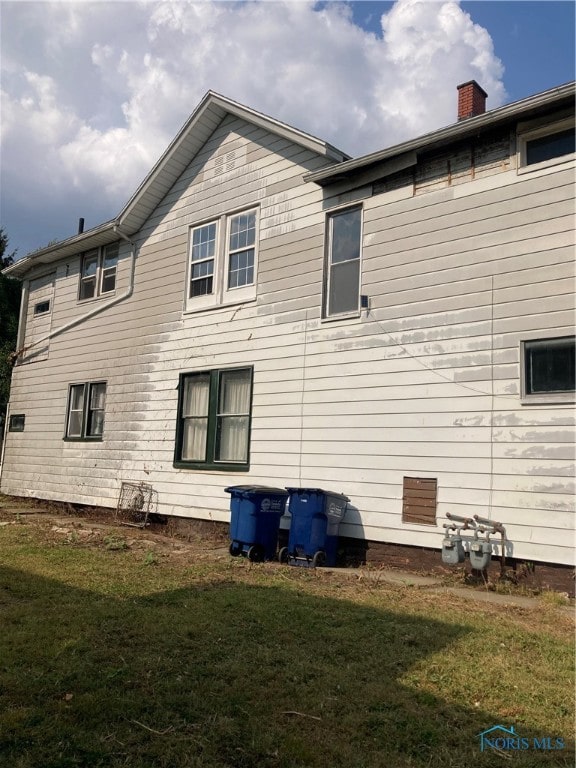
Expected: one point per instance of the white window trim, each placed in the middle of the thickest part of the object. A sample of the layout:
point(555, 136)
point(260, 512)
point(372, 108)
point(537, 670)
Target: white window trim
point(354, 314)
point(221, 295)
point(544, 398)
point(538, 133)
point(98, 292)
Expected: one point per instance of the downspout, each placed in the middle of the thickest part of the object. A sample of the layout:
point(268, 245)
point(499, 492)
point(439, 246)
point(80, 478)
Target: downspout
point(96, 310)
point(4, 439)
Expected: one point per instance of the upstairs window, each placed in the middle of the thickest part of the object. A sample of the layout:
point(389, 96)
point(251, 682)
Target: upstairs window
point(546, 145)
point(342, 274)
point(241, 250)
point(549, 367)
point(214, 415)
point(223, 261)
point(549, 147)
point(98, 271)
point(85, 414)
point(202, 257)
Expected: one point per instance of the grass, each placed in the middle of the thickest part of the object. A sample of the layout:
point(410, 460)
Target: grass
point(211, 662)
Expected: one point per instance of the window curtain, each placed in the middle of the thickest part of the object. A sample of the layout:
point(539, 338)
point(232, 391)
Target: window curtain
point(195, 416)
point(233, 416)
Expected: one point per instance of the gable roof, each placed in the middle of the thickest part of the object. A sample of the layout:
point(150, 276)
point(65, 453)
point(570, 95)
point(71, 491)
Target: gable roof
point(207, 116)
point(191, 138)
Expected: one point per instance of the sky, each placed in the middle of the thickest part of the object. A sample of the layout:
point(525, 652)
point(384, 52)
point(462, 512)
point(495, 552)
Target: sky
point(92, 93)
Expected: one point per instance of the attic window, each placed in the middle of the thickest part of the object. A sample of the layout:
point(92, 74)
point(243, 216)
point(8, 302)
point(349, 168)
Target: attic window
point(419, 500)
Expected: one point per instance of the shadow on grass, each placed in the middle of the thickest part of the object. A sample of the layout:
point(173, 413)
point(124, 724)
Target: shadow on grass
point(225, 675)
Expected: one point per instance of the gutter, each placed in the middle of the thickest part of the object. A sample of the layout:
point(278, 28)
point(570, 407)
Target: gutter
point(553, 97)
point(95, 311)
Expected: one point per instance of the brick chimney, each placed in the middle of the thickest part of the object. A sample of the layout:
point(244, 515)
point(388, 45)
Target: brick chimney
point(471, 100)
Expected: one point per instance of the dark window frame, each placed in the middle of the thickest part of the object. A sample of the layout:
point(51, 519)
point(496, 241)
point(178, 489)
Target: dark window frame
point(533, 370)
point(87, 420)
point(16, 422)
point(211, 462)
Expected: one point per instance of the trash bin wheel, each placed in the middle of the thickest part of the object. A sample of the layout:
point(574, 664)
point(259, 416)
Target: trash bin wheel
point(319, 559)
point(283, 555)
point(256, 553)
point(235, 549)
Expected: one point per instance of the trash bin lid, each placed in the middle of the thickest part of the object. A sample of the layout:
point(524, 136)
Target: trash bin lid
point(263, 489)
point(318, 490)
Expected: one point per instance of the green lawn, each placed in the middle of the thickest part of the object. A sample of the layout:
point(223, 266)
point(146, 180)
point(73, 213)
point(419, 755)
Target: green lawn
point(112, 656)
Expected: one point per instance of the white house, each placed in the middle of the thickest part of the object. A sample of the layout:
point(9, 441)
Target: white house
point(397, 327)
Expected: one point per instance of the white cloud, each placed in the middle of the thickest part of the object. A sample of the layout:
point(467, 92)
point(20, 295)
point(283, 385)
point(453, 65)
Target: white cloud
point(100, 90)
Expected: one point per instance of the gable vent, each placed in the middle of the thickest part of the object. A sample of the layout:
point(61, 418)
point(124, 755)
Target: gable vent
point(225, 163)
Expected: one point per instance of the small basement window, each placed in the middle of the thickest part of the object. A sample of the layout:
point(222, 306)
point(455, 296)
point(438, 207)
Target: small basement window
point(548, 369)
point(42, 307)
point(419, 500)
point(16, 423)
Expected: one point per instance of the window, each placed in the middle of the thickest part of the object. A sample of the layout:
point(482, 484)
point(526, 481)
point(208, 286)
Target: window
point(241, 250)
point(546, 145)
point(16, 422)
point(214, 415)
point(202, 260)
point(223, 256)
point(342, 285)
point(419, 500)
point(85, 415)
point(549, 147)
point(548, 369)
point(42, 307)
point(98, 271)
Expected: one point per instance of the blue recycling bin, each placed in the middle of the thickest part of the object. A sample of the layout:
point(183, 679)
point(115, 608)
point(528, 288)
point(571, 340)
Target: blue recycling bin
point(315, 520)
point(255, 512)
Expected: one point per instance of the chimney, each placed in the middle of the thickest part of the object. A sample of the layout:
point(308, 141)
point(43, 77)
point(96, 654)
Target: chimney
point(80, 226)
point(471, 100)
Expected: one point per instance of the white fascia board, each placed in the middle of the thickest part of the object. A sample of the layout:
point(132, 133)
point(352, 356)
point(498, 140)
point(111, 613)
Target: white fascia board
point(93, 238)
point(454, 132)
point(191, 138)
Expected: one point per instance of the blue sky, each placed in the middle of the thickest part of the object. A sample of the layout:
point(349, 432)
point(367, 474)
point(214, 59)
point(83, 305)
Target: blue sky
point(93, 92)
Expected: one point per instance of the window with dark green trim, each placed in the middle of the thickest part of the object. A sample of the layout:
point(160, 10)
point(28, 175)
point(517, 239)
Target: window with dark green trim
point(214, 415)
point(85, 412)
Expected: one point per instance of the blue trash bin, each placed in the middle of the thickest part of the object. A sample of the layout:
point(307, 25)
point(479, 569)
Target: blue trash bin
point(315, 520)
point(255, 512)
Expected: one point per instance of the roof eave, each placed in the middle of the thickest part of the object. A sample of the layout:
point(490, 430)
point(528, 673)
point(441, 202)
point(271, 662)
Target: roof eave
point(472, 125)
point(101, 235)
point(138, 207)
